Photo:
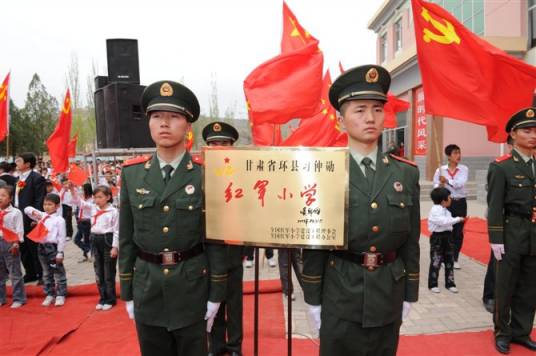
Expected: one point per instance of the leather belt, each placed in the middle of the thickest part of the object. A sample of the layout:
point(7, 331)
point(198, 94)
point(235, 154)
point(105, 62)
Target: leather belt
point(170, 258)
point(368, 260)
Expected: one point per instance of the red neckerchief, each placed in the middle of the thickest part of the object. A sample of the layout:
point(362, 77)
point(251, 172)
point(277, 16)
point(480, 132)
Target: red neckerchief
point(99, 213)
point(452, 175)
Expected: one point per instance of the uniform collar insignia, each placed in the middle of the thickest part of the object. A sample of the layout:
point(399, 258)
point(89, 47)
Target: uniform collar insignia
point(147, 164)
point(515, 158)
point(190, 165)
point(385, 160)
point(142, 191)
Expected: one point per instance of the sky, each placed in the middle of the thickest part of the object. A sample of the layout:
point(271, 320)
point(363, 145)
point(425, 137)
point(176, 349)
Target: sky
point(197, 42)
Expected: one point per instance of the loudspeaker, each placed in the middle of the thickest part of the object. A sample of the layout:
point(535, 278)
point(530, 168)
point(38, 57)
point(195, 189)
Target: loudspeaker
point(123, 64)
point(100, 118)
point(100, 82)
point(126, 124)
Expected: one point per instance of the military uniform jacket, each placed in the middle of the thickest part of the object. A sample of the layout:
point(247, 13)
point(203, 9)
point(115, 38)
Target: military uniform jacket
point(511, 204)
point(386, 219)
point(153, 218)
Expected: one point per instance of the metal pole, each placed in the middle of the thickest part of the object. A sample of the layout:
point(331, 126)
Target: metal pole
point(289, 302)
point(256, 306)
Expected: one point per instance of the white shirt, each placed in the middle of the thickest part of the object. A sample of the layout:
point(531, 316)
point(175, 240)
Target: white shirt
point(358, 157)
point(66, 197)
point(85, 207)
point(175, 163)
point(22, 177)
point(106, 222)
point(455, 180)
point(55, 225)
point(440, 219)
point(13, 221)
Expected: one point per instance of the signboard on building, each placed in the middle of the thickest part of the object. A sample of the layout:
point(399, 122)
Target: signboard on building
point(420, 134)
point(282, 197)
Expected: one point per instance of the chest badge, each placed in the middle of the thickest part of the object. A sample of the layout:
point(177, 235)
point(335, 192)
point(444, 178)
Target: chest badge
point(520, 177)
point(142, 191)
point(398, 187)
point(190, 189)
point(190, 166)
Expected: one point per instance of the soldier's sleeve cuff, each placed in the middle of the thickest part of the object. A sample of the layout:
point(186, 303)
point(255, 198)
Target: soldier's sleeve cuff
point(311, 279)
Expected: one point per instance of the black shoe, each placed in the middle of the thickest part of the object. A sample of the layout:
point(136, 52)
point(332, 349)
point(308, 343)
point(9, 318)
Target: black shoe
point(502, 346)
point(525, 342)
point(489, 305)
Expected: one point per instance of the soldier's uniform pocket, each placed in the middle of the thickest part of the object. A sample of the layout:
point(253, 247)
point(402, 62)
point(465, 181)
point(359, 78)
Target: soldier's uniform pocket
point(520, 188)
point(143, 212)
point(189, 214)
point(399, 210)
point(197, 275)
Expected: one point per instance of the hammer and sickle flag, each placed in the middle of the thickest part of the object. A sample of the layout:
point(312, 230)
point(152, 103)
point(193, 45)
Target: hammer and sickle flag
point(465, 77)
point(58, 141)
point(4, 108)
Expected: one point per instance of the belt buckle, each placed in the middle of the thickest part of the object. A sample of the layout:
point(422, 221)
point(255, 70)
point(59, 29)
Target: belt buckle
point(370, 260)
point(167, 258)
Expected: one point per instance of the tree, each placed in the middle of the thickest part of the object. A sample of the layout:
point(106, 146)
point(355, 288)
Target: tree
point(214, 112)
point(73, 82)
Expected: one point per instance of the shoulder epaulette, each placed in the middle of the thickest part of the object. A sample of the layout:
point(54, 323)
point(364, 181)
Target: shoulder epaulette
point(136, 160)
point(197, 159)
point(503, 158)
point(398, 158)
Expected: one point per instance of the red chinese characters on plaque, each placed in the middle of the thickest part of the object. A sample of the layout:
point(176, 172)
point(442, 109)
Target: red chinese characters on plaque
point(420, 133)
point(279, 197)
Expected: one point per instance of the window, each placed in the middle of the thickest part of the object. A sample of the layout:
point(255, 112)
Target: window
point(383, 47)
point(398, 35)
point(532, 23)
point(469, 12)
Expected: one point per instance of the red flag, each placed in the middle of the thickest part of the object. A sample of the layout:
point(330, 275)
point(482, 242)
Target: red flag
point(77, 175)
point(266, 134)
point(39, 232)
point(287, 86)
point(72, 146)
point(321, 130)
point(4, 108)
point(393, 106)
point(294, 35)
point(189, 139)
point(58, 141)
point(466, 78)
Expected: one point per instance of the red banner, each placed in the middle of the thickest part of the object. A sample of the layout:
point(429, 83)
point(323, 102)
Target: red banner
point(420, 131)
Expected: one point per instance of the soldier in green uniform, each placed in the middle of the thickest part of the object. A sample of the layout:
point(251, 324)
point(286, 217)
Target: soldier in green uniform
point(171, 280)
point(357, 298)
point(512, 234)
point(229, 318)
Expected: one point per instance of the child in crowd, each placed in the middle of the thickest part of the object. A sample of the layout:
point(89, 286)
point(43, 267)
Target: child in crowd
point(11, 233)
point(85, 206)
point(50, 234)
point(105, 245)
point(440, 222)
point(66, 197)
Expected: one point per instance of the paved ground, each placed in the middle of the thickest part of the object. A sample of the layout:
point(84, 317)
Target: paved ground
point(434, 313)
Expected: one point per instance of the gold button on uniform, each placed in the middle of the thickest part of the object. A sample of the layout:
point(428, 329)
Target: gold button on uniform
point(190, 207)
point(166, 250)
point(166, 271)
point(332, 263)
point(140, 206)
point(165, 229)
point(375, 228)
point(374, 205)
point(402, 205)
point(165, 209)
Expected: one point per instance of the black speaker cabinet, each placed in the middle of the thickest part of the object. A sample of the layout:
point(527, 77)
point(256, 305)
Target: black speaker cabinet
point(123, 63)
point(100, 118)
point(100, 82)
point(126, 124)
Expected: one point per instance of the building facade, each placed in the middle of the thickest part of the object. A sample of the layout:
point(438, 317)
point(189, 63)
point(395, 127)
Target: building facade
point(509, 25)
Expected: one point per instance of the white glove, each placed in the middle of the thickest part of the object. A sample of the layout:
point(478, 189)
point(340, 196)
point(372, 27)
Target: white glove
point(498, 251)
point(406, 308)
point(212, 310)
point(129, 306)
point(314, 316)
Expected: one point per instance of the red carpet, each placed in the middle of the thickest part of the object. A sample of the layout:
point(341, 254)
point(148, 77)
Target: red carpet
point(77, 328)
point(475, 240)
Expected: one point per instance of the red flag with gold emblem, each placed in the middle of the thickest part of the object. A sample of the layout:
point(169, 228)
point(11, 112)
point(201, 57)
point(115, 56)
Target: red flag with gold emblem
point(465, 77)
point(58, 141)
point(189, 139)
point(72, 146)
point(294, 35)
point(4, 108)
point(77, 175)
point(321, 130)
point(266, 134)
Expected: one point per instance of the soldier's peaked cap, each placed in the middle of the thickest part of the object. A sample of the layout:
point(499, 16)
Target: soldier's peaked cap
point(522, 119)
point(219, 131)
point(167, 95)
point(364, 82)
